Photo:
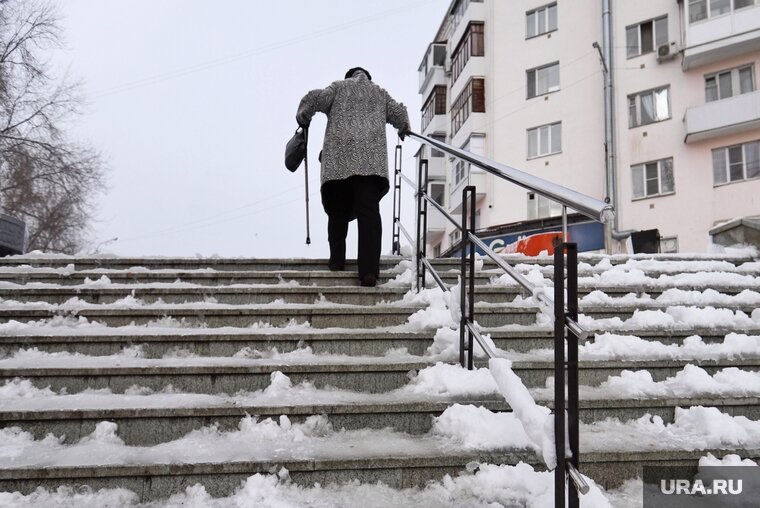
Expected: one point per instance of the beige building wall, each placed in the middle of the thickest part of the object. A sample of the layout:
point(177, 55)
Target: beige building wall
point(693, 130)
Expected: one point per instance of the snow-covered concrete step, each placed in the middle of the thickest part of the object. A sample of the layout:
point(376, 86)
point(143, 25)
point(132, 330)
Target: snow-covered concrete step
point(213, 315)
point(323, 315)
point(157, 342)
point(141, 422)
point(231, 375)
point(262, 294)
point(675, 277)
point(112, 262)
point(414, 464)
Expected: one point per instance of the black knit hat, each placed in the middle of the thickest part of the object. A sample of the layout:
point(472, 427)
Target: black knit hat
point(355, 69)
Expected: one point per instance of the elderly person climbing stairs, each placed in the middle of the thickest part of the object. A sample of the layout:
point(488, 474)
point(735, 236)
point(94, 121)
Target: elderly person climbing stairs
point(354, 162)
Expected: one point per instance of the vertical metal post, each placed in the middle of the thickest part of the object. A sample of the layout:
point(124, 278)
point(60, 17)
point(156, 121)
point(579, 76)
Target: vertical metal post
point(470, 189)
point(396, 240)
point(463, 279)
point(424, 171)
point(418, 248)
point(572, 366)
point(564, 223)
point(559, 372)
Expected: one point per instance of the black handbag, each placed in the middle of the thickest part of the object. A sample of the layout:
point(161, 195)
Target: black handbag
point(295, 150)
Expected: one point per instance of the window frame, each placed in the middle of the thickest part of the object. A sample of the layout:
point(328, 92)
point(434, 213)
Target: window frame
point(643, 166)
point(549, 142)
point(470, 100)
point(727, 163)
point(655, 33)
point(543, 11)
point(708, 8)
point(735, 75)
point(535, 202)
point(530, 94)
point(434, 105)
point(637, 103)
point(471, 44)
point(460, 171)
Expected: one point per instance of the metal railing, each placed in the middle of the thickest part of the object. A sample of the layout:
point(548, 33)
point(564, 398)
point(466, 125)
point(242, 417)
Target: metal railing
point(565, 314)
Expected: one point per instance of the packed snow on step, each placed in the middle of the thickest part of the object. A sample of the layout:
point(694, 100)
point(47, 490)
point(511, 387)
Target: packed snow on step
point(485, 486)
point(133, 356)
point(443, 382)
point(461, 428)
point(104, 282)
point(76, 304)
point(604, 347)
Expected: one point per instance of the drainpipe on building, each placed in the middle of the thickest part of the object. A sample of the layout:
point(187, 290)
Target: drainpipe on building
point(609, 126)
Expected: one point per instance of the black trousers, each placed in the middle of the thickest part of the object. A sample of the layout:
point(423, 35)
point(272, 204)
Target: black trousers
point(356, 197)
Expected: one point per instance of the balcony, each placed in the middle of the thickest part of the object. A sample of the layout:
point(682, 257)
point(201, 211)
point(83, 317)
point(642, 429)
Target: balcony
point(727, 116)
point(431, 69)
point(724, 36)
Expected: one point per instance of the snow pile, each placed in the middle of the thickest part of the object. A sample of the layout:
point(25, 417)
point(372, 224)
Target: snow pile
point(691, 381)
point(695, 428)
point(609, 346)
point(452, 380)
point(445, 346)
point(487, 486)
point(729, 460)
point(477, 428)
point(676, 317)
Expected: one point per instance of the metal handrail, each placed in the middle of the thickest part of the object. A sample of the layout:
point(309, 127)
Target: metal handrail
point(588, 206)
point(565, 314)
point(571, 324)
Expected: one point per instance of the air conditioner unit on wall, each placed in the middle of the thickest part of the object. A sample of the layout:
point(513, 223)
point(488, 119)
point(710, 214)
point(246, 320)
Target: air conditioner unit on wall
point(667, 51)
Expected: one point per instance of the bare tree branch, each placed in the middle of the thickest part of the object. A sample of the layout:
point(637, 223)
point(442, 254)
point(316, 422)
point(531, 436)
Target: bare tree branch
point(45, 179)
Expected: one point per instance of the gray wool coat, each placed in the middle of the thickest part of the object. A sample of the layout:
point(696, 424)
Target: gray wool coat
point(357, 110)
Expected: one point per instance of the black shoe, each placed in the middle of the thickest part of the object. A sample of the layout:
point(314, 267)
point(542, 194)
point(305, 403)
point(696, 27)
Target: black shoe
point(369, 280)
point(335, 267)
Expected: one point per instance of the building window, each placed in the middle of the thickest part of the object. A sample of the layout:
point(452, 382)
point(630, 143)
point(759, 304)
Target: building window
point(703, 9)
point(540, 207)
point(545, 140)
point(653, 178)
point(543, 80)
point(434, 152)
point(736, 163)
point(646, 37)
point(437, 192)
point(541, 20)
point(434, 105)
point(437, 251)
point(459, 171)
point(472, 44)
point(724, 84)
point(649, 107)
point(455, 236)
point(471, 100)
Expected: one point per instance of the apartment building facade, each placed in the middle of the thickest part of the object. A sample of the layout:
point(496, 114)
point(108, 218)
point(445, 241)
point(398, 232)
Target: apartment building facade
point(523, 83)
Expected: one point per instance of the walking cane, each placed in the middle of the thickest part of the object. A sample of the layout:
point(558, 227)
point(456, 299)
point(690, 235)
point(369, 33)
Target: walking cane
point(306, 179)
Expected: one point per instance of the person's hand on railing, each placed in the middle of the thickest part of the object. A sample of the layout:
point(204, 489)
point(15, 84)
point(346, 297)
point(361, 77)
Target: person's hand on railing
point(403, 131)
point(303, 120)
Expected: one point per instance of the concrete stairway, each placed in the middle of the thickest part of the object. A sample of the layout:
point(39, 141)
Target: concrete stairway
point(216, 308)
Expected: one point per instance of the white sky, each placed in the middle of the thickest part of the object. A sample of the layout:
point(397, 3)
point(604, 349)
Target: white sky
point(192, 101)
